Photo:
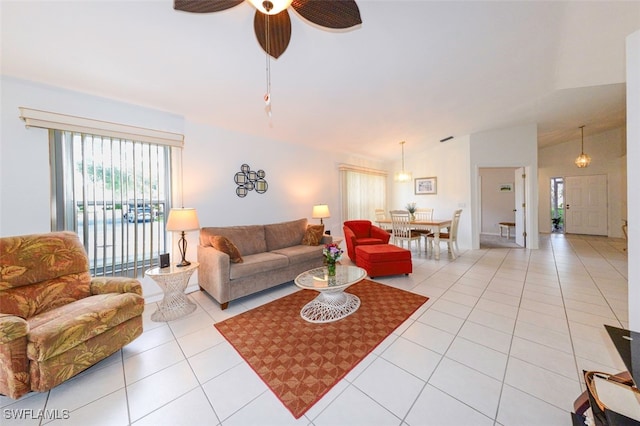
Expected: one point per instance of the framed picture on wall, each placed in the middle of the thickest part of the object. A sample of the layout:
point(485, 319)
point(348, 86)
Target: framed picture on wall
point(505, 187)
point(426, 185)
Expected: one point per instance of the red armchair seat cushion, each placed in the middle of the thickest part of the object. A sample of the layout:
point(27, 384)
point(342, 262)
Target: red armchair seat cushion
point(384, 259)
point(60, 329)
point(365, 241)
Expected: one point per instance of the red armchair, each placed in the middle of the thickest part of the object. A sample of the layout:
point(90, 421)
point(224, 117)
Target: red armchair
point(362, 232)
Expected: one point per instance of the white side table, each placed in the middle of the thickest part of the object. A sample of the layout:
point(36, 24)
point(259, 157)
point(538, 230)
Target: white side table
point(173, 280)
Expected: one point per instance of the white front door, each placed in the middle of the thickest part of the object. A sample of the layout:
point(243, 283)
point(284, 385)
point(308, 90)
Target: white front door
point(586, 204)
point(520, 207)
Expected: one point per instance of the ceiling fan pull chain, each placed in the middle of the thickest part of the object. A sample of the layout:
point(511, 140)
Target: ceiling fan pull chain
point(267, 95)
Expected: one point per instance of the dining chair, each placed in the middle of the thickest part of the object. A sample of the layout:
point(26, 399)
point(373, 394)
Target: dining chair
point(381, 216)
point(450, 237)
point(423, 215)
point(401, 229)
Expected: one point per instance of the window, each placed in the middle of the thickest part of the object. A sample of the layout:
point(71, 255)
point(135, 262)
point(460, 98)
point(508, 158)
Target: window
point(112, 184)
point(363, 190)
point(114, 193)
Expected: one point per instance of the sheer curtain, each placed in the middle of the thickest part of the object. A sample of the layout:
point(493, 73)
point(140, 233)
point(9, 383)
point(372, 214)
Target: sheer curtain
point(363, 190)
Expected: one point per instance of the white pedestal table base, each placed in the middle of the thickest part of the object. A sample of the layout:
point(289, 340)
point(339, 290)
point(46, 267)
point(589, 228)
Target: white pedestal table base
point(175, 303)
point(330, 306)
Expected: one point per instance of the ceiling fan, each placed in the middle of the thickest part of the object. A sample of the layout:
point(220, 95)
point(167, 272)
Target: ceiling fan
point(272, 24)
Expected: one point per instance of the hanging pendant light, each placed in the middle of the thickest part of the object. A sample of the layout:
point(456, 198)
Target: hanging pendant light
point(583, 159)
point(402, 176)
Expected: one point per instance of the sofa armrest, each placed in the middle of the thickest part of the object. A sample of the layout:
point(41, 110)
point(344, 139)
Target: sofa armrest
point(214, 273)
point(12, 327)
point(103, 285)
point(377, 232)
point(326, 239)
point(14, 364)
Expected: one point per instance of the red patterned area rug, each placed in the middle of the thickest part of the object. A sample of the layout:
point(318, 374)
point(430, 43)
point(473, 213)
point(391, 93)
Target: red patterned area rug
point(301, 361)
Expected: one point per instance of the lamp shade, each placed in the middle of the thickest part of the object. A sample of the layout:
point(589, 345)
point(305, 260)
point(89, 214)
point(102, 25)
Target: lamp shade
point(402, 176)
point(583, 160)
point(183, 219)
point(320, 211)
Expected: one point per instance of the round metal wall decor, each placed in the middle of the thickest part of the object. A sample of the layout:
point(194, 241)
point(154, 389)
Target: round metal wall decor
point(248, 180)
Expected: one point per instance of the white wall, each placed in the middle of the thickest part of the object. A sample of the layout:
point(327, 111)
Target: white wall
point(449, 162)
point(509, 147)
point(496, 206)
point(633, 158)
point(607, 151)
point(298, 177)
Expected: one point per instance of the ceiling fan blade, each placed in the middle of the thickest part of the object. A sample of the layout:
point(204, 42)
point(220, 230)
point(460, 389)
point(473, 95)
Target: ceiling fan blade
point(273, 32)
point(329, 13)
point(204, 6)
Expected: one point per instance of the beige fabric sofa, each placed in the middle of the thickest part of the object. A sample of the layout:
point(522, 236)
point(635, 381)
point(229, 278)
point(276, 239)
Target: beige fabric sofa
point(272, 254)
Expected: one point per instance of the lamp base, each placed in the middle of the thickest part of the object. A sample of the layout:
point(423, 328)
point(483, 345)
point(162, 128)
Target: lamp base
point(182, 247)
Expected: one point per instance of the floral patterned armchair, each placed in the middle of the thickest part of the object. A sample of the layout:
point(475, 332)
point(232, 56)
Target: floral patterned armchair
point(55, 320)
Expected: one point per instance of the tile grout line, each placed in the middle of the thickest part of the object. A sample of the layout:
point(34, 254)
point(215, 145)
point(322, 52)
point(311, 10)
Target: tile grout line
point(513, 332)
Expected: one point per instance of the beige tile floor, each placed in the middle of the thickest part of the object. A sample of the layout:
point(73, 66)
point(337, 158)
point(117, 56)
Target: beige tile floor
point(501, 341)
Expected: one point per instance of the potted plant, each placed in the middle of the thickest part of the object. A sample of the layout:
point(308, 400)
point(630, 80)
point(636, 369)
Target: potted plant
point(411, 208)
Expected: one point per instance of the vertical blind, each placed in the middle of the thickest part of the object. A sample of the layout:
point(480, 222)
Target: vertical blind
point(114, 193)
point(363, 190)
point(112, 184)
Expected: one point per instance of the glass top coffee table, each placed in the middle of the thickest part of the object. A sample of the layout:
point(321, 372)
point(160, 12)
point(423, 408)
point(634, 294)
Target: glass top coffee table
point(332, 303)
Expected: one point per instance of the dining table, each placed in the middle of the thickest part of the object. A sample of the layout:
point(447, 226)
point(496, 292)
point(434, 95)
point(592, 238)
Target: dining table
point(435, 225)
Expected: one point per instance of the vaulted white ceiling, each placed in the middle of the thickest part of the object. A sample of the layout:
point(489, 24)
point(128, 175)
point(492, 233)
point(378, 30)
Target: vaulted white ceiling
point(414, 70)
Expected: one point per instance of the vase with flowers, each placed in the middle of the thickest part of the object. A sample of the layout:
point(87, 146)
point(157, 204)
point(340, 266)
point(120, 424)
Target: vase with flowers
point(332, 253)
point(411, 208)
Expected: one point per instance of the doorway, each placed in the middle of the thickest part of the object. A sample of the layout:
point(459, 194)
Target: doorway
point(557, 205)
point(501, 200)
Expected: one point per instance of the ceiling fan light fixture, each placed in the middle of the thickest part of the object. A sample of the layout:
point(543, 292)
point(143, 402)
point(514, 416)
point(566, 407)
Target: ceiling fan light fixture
point(271, 7)
point(583, 159)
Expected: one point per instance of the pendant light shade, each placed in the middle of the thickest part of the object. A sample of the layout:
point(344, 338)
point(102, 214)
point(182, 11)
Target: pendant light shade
point(402, 175)
point(583, 159)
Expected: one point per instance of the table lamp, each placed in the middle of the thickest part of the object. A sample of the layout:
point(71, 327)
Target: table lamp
point(320, 211)
point(182, 220)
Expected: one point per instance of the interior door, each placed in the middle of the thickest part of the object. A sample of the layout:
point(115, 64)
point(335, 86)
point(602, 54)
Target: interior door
point(586, 205)
point(520, 207)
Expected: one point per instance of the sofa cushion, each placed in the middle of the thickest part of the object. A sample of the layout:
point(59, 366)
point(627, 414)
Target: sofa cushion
point(313, 235)
point(63, 328)
point(249, 239)
point(256, 264)
point(285, 234)
point(301, 253)
point(225, 245)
